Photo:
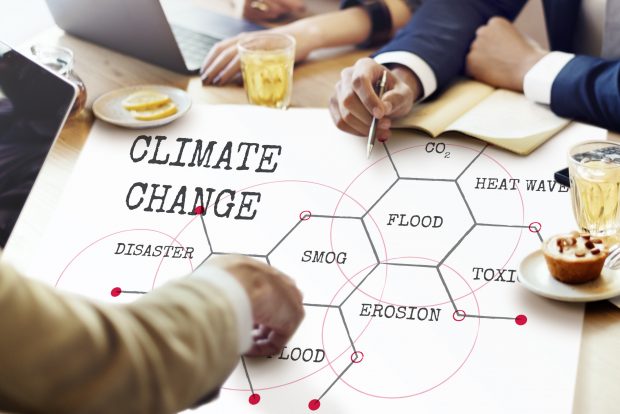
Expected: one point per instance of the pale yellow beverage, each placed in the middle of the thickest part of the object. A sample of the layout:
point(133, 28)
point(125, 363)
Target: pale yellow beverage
point(268, 79)
point(267, 62)
point(595, 187)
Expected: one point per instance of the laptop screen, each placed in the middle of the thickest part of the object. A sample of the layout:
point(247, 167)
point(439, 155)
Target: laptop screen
point(33, 106)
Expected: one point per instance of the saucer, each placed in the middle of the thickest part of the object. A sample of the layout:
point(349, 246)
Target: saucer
point(108, 107)
point(534, 275)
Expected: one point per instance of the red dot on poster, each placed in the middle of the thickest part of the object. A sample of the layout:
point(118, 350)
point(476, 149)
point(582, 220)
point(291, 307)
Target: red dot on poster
point(199, 210)
point(314, 405)
point(116, 291)
point(254, 399)
point(521, 320)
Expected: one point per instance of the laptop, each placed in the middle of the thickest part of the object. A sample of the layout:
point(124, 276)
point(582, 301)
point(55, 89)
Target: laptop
point(34, 104)
point(141, 28)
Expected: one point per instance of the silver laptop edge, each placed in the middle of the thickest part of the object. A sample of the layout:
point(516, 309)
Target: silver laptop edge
point(141, 28)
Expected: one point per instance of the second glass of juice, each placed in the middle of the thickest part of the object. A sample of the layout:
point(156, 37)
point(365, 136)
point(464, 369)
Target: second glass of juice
point(594, 169)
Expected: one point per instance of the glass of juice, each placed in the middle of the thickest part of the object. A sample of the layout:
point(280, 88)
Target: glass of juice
point(594, 169)
point(267, 61)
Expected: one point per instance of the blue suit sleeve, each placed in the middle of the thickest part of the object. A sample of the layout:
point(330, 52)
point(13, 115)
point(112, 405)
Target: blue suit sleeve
point(441, 31)
point(588, 89)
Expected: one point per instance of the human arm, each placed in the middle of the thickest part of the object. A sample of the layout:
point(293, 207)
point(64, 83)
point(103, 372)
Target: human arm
point(159, 354)
point(432, 46)
point(579, 87)
point(267, 9)
point(349, 106)
point(588, 89)
point(349, 26)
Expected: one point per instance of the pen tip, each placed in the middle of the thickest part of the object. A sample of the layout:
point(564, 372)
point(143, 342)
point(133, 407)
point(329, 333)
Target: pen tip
point(368, 151)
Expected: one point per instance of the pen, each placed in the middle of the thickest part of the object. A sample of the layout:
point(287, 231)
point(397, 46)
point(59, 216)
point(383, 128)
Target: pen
point(373, 124)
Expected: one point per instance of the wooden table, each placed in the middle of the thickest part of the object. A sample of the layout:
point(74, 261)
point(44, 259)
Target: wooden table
point(598, 381)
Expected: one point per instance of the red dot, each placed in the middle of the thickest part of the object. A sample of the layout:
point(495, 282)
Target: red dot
point(116, 291)
point(314, 405)
point(199, 210)
point(521, 320)
point(254, 399)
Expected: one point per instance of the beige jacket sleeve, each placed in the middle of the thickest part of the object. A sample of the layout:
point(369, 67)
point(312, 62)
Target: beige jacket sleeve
point(65, 354)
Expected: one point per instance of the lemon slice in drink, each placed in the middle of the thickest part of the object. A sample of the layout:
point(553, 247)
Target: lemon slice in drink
point(160, 112)
point(145, 100)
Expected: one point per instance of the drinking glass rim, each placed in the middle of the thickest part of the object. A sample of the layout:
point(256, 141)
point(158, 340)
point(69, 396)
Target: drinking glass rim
point(248, 36)
point(595, 141)
point(40, 49)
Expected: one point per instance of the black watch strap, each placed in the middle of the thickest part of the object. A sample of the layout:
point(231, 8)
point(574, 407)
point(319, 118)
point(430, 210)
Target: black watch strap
point(380, 17)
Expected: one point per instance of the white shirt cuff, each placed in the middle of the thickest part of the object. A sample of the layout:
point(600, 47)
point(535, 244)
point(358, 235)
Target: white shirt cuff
point(238, 298)
point(422, 70)
point(539, 79)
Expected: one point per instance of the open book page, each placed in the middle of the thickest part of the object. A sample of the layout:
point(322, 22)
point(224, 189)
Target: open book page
point(435, 116)
point(509, 120)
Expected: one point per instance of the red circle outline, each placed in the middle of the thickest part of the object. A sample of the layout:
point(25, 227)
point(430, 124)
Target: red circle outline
point(456, 313)
point(329, 362)
point(354, 358)
point(534, 229)
point(344, 193)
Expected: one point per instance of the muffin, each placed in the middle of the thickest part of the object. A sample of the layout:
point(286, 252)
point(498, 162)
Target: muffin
point(575, 257)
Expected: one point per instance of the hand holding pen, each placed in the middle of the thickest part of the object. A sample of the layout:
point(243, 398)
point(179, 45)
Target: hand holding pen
point(356, 101)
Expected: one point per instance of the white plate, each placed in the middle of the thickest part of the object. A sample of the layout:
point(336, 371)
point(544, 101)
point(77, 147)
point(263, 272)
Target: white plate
point(108, 106)
point(534, 275)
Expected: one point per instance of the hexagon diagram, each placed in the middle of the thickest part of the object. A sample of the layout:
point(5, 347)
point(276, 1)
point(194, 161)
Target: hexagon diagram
point(322, 254)
point(430, 217)
point(357, 273)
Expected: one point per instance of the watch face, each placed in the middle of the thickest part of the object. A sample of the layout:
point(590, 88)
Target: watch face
point(33, 106)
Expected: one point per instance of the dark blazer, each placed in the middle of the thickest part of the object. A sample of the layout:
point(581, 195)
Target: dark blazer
point(441, 31)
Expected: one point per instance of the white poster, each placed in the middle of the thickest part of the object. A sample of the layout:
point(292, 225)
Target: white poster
point(407, 260)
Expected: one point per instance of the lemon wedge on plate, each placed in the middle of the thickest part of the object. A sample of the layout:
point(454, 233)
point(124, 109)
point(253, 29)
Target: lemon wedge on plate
point(159, 112)
point(142, 106)
point(145, 100)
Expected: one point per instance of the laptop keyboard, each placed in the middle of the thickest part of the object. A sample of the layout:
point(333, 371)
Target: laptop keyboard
point(194, 46)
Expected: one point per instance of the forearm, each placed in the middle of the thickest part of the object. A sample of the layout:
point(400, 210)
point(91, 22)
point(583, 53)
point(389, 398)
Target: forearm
point(350, 26)
point(446, 25)
point(339, 28)
point(400, 13)
point(65, 354)
point(588, 89)
point(411, 79)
